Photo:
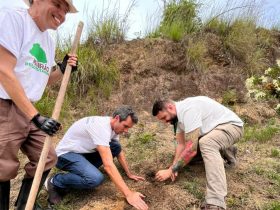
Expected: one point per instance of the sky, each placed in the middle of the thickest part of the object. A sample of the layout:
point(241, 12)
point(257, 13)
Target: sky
point(146, 13)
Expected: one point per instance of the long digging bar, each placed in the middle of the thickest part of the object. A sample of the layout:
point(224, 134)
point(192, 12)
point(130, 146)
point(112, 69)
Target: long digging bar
point(55, 115)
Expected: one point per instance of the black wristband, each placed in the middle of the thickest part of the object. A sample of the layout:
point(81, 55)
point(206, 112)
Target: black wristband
point(35, 120)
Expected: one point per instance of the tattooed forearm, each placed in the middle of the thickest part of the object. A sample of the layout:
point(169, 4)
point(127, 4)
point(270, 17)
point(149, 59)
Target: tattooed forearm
point(189, 151)
point(180, 164)
point(185, 157)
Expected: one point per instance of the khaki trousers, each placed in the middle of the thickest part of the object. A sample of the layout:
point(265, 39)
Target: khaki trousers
point(220, 138)
point(18, 133)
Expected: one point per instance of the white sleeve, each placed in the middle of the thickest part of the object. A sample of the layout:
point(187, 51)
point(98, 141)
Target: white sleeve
point(99, 133)
point(11, 36)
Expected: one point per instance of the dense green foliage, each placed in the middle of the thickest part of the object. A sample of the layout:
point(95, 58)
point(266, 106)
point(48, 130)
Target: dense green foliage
point(179, 18)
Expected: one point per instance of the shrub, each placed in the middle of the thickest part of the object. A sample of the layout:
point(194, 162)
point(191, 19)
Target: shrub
point(242, 42)
point(217, 26)
point(179, 18)
point(241, 39)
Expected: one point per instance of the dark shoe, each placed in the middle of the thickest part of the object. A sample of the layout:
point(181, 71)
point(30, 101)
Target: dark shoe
point(210, 207)
point(229, 155)
point(4, 195)
point(55, 196)
point(25, 190)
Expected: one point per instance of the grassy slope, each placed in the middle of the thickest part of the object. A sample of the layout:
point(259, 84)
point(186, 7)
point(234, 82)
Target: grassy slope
point(253, 184)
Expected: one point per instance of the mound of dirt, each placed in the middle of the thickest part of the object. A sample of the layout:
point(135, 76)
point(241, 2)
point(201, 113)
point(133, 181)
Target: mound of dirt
point(152, 69)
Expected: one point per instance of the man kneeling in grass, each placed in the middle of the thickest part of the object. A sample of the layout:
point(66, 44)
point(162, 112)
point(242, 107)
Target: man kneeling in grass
point(89, 143)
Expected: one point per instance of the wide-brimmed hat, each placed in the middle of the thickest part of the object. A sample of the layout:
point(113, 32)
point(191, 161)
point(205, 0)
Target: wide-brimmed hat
point(72, 8)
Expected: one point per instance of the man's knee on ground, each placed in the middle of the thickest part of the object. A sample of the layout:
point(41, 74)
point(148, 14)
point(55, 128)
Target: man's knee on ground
point(93, 181)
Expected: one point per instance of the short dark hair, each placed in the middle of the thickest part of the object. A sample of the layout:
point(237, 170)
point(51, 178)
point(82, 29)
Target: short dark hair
point(160, 105)
point(124, 111)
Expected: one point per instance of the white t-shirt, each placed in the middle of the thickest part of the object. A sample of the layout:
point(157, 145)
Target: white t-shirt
point(33, 49)
point(204, 113)
point(85, 134)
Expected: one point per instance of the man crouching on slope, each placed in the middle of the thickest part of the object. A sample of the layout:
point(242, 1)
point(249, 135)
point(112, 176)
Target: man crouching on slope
point(202, 124)
point(89, 143)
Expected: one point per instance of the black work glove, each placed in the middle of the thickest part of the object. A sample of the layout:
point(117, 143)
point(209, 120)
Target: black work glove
point(48, 125)
point(62, 65)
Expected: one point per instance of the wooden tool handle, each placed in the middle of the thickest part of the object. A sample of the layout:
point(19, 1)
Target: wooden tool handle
point(55, 115)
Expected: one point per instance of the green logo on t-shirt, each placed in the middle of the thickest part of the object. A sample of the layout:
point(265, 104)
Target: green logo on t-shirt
point(39, 61)
point(38, 53)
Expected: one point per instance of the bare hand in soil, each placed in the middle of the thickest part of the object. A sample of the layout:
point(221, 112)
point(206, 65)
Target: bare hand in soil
point(135, 199)
point(162, 175)
point(135, 177)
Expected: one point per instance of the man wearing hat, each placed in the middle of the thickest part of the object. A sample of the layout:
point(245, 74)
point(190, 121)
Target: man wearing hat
point(26, 67)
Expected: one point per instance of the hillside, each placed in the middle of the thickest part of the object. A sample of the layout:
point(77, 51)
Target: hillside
point(153, 68)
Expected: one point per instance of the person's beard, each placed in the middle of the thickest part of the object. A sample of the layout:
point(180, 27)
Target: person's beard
point(174, 120)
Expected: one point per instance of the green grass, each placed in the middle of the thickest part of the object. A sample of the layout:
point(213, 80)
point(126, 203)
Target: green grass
point(196, 51)
point(275, 153)
point(217, 26)
point(274, 205)
point(109, 25)
point(174, 31)
point(145, 138)
point(46, 104)
point(261, 134)
point(145, 143)
point(229, 97)
point(194, 188)
point(265, 38)
point(241, 39)
point(94, 73)
point(271, 171)
point(179, 18)
point(236, 202)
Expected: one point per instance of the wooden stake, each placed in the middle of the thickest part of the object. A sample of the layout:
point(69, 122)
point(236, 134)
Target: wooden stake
point(55, 115)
